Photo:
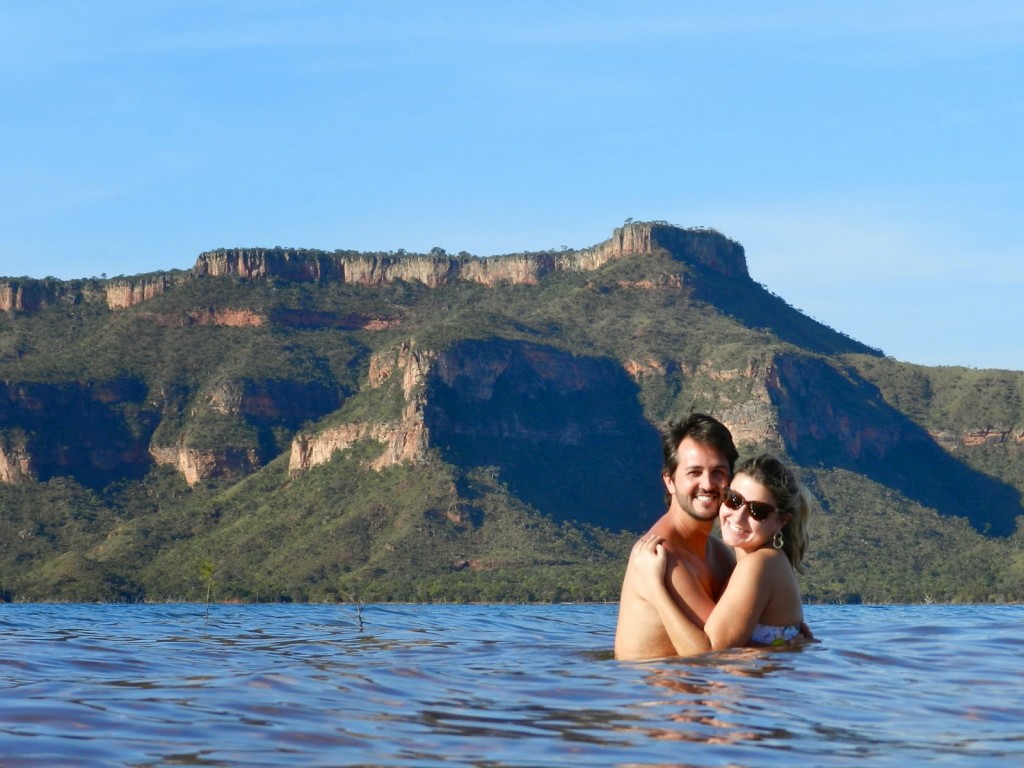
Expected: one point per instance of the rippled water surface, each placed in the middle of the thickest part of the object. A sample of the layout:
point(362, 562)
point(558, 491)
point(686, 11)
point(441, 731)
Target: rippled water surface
point(305, 685)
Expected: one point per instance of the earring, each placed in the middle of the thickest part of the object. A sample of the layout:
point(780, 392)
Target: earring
point(777, 541)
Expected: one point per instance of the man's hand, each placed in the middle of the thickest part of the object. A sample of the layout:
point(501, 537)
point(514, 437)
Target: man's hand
point(805, 636)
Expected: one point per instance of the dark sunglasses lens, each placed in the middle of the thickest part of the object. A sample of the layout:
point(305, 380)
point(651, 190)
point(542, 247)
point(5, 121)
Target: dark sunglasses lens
point(759, 510)
point(732, 499)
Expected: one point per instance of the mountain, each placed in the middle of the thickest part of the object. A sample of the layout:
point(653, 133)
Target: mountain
point(298, 424)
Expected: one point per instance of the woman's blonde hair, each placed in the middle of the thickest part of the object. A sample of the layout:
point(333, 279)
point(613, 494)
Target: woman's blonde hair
point(791, 497)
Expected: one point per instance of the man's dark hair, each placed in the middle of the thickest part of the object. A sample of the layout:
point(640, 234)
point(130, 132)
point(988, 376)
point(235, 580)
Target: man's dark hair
point(702, 428)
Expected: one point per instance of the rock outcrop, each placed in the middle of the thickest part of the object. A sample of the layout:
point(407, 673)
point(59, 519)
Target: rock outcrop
point(15, 463)
point(22, 295)
point(703, 247)
point(567, 432)
point(197, 465)
point(124, 293)
point(28, 295)
point(99, 431)
point(403, 441)
point(982, 436)
point(404, 438)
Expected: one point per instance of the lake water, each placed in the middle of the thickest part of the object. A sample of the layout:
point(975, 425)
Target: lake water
point(305, 685)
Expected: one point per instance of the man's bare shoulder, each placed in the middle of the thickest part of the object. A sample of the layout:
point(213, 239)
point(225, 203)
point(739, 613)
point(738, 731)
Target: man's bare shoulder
point(721, 563)
point(719, 554)
point(639, 632)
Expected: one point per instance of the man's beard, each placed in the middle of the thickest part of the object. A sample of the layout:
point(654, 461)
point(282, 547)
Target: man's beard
point(686, 504)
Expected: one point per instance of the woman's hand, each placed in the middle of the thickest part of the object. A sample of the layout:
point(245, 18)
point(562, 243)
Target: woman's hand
point(649, 561)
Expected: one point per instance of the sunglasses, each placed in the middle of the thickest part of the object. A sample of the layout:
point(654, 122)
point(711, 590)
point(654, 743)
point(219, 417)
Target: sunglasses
point(759, 510)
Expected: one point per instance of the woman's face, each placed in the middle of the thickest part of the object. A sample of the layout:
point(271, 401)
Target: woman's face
point(739, 528)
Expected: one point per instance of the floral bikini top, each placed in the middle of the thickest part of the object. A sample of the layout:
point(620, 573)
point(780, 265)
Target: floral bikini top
point(767, 634)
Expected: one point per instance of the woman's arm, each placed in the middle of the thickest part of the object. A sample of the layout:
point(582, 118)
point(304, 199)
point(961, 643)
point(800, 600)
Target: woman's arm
point(742, 604)
point(732, 621)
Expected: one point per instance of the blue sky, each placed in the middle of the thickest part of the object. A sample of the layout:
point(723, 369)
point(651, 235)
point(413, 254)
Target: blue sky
point(869, 155)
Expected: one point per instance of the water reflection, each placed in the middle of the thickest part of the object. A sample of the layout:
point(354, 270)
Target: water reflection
point(707, 703)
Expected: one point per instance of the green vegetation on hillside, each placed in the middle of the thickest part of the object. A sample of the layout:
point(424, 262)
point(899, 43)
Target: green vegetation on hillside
point(229, 366)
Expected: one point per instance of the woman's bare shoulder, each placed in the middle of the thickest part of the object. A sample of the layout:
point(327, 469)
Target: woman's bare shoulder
point(762, 560)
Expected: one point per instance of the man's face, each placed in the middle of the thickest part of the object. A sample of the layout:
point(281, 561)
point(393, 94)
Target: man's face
point(699, 480)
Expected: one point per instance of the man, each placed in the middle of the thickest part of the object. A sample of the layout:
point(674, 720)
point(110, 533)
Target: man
point(699, 456)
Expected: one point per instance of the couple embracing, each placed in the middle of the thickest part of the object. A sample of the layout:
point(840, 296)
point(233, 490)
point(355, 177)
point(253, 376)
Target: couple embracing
point(687, 592)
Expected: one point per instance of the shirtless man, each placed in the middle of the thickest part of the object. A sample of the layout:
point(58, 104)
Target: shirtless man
point(699, 457)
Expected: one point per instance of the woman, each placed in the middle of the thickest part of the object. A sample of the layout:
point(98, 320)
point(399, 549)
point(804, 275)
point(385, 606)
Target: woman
point(763, 517)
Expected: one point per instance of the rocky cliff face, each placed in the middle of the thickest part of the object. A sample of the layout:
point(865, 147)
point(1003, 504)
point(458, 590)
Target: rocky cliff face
point(845, 428)
point(101, 431)
point(22, 296)
point(564, 430)
point(704, 247)
point(701, 246)
point(15, 461)
point(475, 399)
point(226, 317)
point(404, 439)
point(121, 294)
point(974, 438)
point(28, 295)
point(561, 428)
point(754, 418)
point(853, 428)
point(567, 432)
point(197, 465)
point(262, 405)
